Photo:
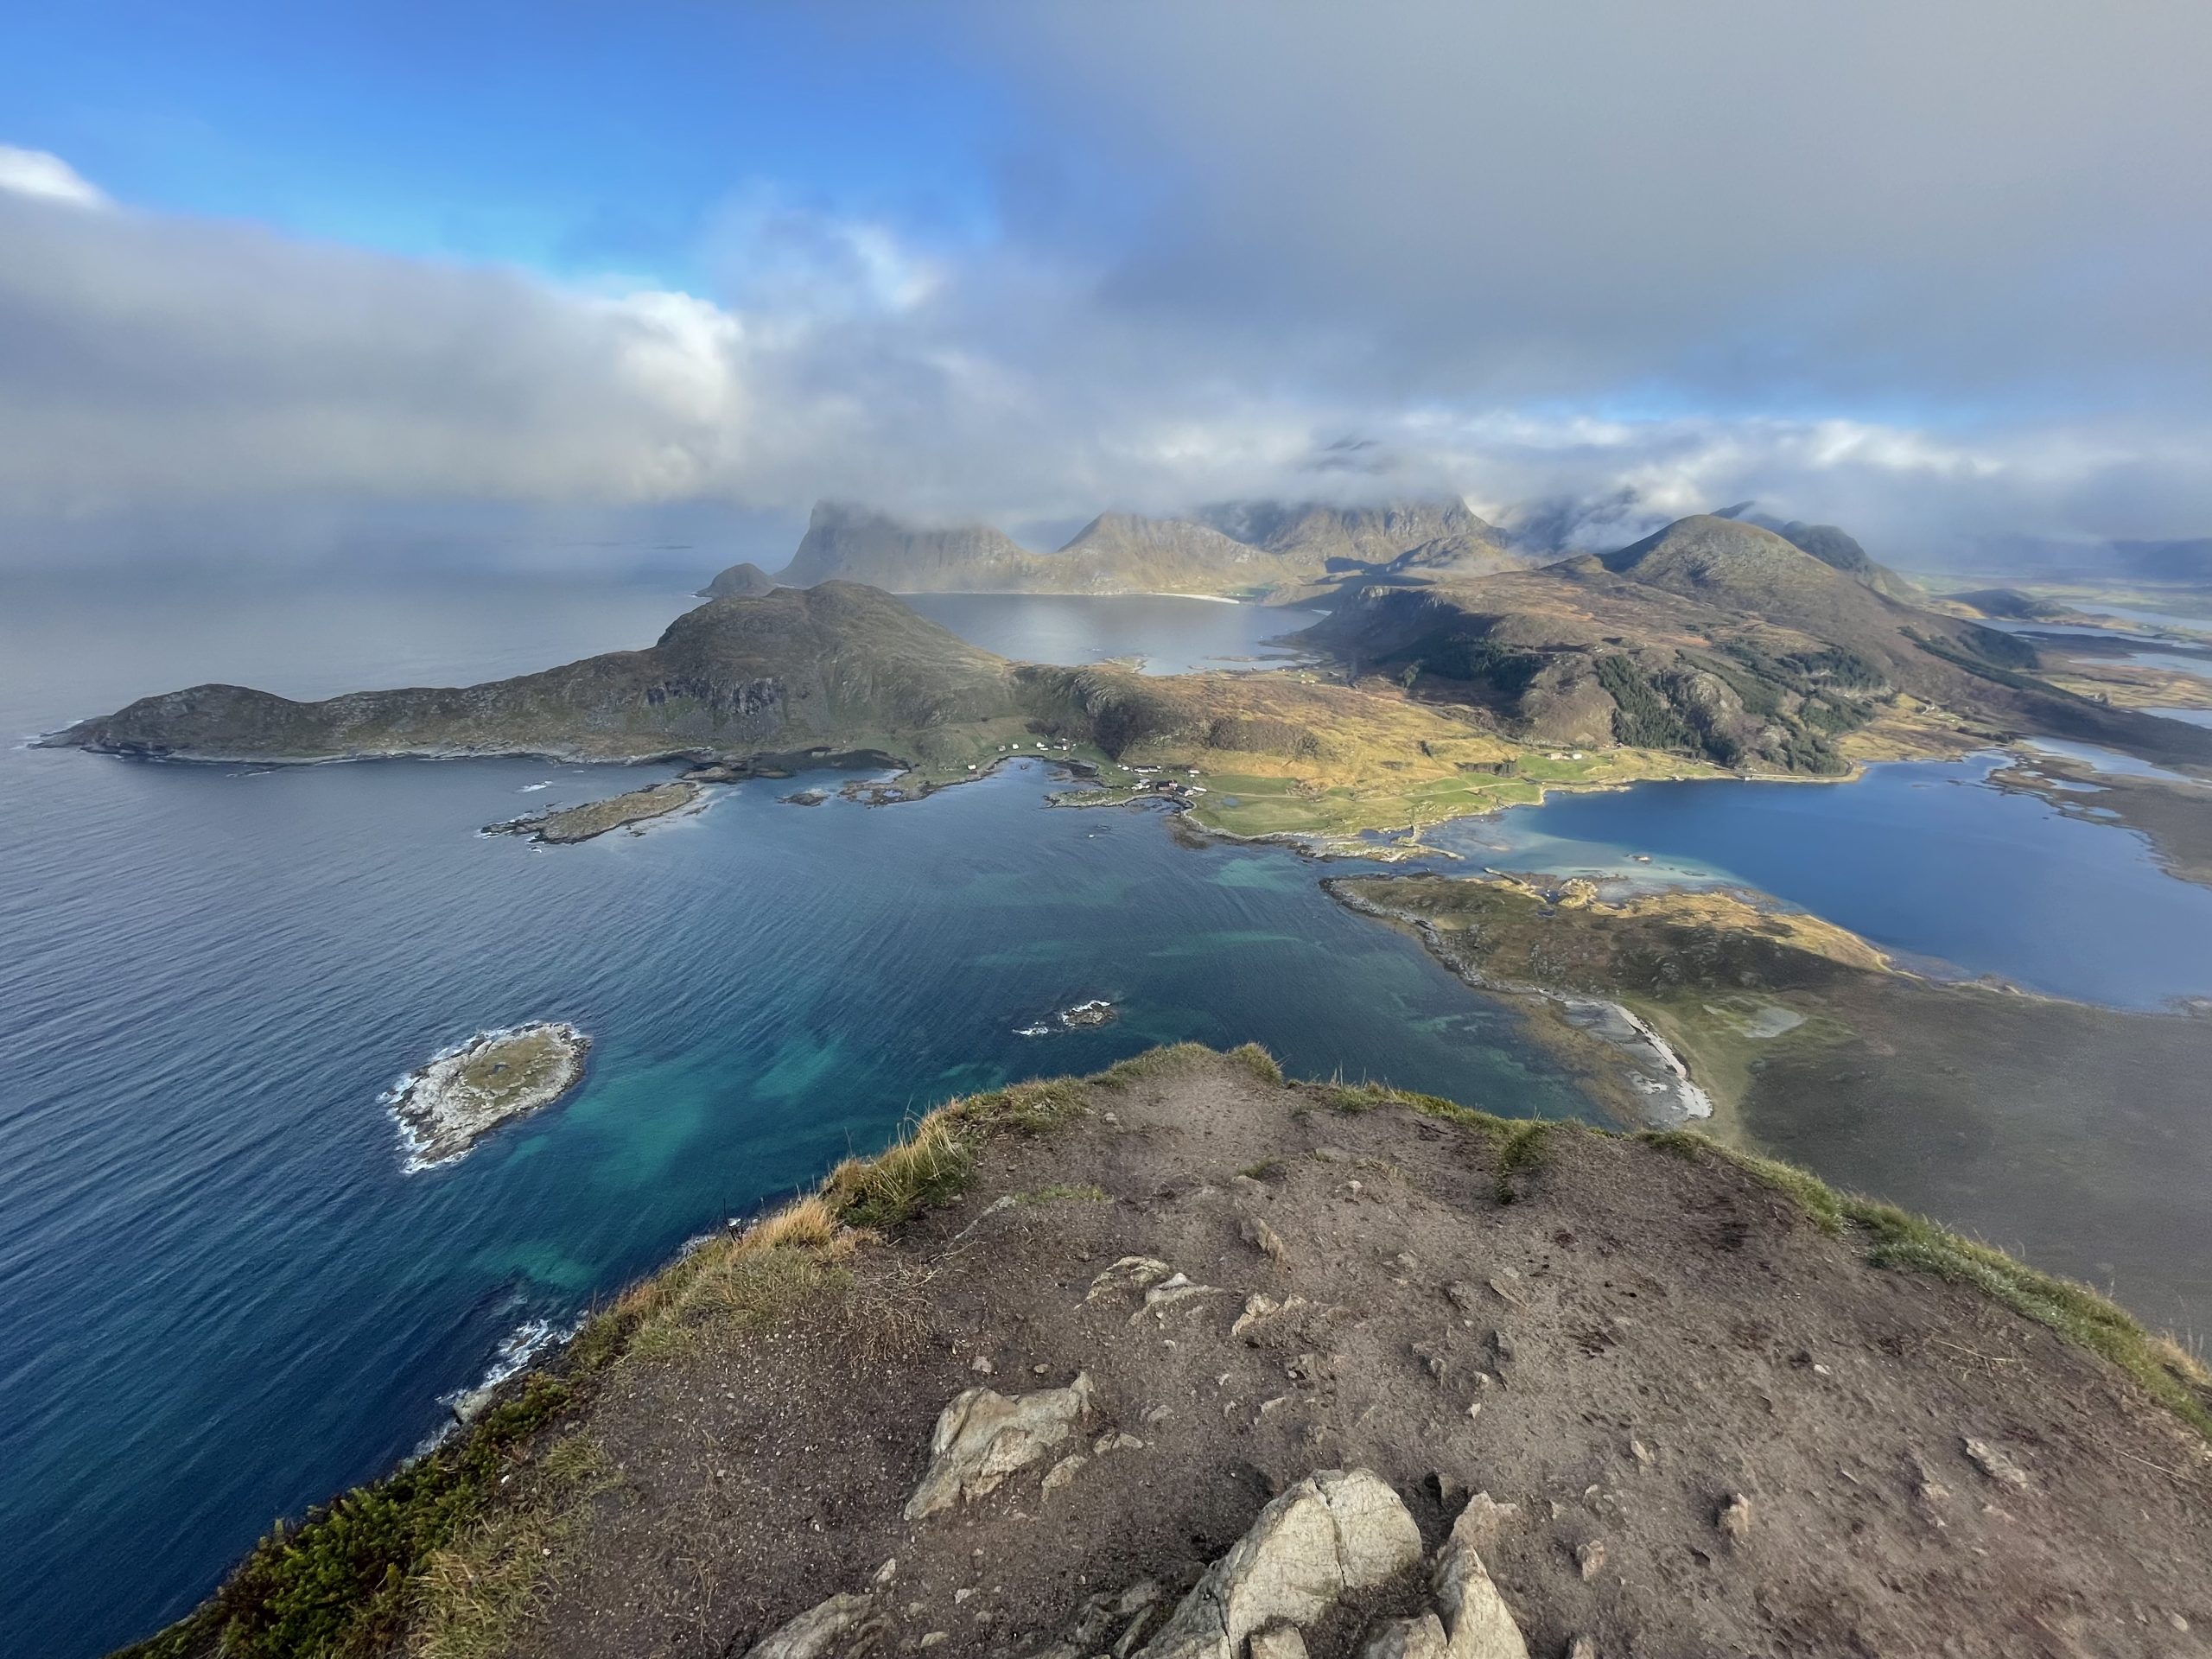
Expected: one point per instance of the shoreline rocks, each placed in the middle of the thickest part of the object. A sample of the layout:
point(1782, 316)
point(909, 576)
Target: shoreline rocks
point(1083, 1016)
point(444, 1107)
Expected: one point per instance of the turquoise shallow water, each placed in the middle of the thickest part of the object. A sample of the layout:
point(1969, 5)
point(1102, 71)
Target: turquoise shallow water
point(220, 1298)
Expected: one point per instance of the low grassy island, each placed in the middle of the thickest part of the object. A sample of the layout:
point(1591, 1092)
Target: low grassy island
point(494, 1077)
point(1156, 1361)
point(573, 823)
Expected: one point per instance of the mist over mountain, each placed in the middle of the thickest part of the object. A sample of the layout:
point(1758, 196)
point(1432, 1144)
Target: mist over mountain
point(856, 543)
point(744, 580)
point(1248, 548)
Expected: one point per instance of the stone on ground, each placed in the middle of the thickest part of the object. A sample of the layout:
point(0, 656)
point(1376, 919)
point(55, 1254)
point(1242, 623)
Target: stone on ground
point(1478, 1623)
point(1332, 1534)
point(984, 1436)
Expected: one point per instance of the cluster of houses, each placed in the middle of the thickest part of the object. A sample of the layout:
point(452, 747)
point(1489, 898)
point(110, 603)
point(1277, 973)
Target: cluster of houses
point(1170, 786)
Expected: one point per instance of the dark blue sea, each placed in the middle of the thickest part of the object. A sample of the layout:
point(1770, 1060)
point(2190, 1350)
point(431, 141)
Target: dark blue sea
point(221, 1299)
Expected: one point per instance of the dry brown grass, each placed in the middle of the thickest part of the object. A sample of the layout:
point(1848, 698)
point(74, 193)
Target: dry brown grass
point(476, 1591)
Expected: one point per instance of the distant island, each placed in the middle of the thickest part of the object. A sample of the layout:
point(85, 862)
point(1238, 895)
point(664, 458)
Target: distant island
point(462, 1095)
point(1714, 646)
point(563, 825)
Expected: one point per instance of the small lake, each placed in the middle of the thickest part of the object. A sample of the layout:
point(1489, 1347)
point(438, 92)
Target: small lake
point(220, 1298)
point(1923, 858)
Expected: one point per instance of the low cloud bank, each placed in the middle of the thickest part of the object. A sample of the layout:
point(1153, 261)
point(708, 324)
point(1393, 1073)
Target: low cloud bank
point(187, 388)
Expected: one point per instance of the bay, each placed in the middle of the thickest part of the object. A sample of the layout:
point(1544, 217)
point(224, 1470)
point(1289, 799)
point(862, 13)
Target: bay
point(221, 1297)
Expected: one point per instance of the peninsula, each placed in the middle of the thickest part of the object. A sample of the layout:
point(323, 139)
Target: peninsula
point(1806, 1041)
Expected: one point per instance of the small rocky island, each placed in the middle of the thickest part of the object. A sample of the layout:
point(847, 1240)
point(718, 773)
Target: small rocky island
point(1081, 1017)
point(465, 1093)
point(566, 824)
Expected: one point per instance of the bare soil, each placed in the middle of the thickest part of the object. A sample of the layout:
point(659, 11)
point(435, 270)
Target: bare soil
point(1644, 1337)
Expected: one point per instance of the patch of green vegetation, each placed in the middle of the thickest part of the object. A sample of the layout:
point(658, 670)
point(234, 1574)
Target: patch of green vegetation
point(932, 1166)
point(1520, 1153)
point(1642, 718)
point(1500, 669)
point(1897, 1239)
point(1173, 1060)
point(1269, 1170)
point(1983, 669)
point(341, 1583)
point(742, 1290)
point(1031, 1106)
point(476, 1591)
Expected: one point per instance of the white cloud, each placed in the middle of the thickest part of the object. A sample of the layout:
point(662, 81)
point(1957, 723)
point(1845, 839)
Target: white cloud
point(1931, 278)
point(35, 172)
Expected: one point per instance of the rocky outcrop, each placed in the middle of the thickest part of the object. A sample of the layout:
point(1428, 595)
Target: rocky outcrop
point(983, 1436)
point(835, 1626)
point(1476, 1622)
point(744, 581)
point(1332, 1534)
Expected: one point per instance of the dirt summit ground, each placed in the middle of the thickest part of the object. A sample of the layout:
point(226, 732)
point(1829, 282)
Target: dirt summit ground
point(1677, 1400)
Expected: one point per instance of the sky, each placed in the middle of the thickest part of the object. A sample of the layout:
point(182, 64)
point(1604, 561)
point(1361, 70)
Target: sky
point(573, 285)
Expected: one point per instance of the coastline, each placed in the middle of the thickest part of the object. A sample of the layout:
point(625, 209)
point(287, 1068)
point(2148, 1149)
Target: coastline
point(1660, 1090)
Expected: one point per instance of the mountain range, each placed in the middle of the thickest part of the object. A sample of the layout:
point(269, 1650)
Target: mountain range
point(1247, 549)
point(1714, 638)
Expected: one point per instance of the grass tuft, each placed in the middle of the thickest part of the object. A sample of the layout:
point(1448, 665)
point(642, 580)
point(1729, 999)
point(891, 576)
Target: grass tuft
point(1261, 1064)
point(474, 1593)
point(1173, 1060)
point(1520, 1153)
point(1027, 1106)
point(929, 1166)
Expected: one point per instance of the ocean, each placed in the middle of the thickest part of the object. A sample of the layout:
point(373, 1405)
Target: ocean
point(221, 1298)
